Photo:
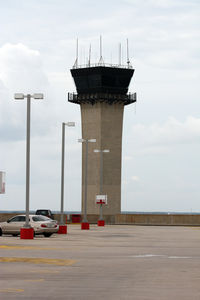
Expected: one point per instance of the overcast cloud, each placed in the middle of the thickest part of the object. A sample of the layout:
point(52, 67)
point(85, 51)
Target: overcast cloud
point(161, 136)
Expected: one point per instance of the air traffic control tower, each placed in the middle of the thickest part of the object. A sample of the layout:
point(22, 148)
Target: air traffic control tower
point(102, 93)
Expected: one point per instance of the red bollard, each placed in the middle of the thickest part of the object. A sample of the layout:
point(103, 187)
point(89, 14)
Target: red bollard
point(85, 226)
point(101, 223)
point(62, 229)
point(27, 233)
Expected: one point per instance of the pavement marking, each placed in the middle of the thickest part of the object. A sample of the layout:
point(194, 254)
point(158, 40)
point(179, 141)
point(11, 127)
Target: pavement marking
point(44, 271)
point(35, 280)
point(183, 257)
point(10, 290)
point(27, 247)
point(147, 255)
point(158, 255)
point(49, 261)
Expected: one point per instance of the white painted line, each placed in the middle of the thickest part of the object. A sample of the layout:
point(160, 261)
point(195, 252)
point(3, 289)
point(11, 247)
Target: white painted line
point(147, 255)
point(180, 257)
point(160, 255)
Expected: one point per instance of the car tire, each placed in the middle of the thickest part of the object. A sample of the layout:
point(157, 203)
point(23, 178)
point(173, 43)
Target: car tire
point(47, 234)
point(1, 232)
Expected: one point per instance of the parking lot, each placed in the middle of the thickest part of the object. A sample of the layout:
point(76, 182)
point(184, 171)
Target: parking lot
point(112, 262)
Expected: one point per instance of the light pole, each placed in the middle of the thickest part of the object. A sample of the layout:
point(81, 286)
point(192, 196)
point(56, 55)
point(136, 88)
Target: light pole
point(85, 224)
point(63, 227)
point(101, 220)
point(26, 231)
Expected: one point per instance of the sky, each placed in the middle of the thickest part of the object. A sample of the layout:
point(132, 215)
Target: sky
point(161, 133)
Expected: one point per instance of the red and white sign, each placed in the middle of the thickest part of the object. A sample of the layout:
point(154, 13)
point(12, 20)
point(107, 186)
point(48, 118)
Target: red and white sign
point(101, 199)
point(2, 182)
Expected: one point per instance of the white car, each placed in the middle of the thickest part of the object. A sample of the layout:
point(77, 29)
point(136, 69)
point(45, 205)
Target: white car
point(40, 224)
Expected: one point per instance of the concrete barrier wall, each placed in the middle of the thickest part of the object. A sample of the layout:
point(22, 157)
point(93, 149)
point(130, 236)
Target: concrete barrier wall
point(158, 219)
point(135, 219)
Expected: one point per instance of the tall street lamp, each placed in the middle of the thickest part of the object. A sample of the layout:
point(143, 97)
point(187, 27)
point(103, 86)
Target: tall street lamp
point(101, 220)
point(63, 227)
point(85, 224)
point(26, 231)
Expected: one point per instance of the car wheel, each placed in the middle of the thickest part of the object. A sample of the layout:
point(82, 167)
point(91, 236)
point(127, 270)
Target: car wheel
point(47, 234)
point(0, 232)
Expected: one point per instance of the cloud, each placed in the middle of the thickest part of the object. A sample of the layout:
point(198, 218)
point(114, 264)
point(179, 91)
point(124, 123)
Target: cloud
point(21, 68)
point(171, 133)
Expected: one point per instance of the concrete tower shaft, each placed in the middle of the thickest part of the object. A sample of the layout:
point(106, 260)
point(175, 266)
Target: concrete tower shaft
point(102, 94)
point(103, 122)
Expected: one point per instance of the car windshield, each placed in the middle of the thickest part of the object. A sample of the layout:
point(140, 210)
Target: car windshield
point(40, 218)
point(42, 212)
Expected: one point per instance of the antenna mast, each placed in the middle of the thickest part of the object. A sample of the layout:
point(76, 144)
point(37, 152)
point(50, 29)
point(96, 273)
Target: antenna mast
point(101, 62)
point(89, 59)
point(120, 54)
point(76, 61)
point(128, 60)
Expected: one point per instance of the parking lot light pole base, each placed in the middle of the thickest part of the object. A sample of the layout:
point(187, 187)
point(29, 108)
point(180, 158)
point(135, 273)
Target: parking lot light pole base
point(85, 226)
point(62, 229)
point(101, 223)
point(26, 233)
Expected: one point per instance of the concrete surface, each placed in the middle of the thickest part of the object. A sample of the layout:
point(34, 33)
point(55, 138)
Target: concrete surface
point(115, 262)
point(104, 123)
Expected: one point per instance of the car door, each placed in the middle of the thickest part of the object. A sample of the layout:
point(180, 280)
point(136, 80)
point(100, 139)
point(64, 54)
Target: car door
point(20, 223)
point(11, 225)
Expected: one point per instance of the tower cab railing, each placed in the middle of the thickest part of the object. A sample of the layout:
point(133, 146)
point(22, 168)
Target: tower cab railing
point(92, 98)
point(102, 64)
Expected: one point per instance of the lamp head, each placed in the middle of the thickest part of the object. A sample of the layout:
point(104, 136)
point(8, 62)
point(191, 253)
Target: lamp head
point(81, 140)
point(19, 96)
point(38, 96)
point(70, 124)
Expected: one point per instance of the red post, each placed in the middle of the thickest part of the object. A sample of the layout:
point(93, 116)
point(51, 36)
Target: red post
point(62, 229)
point(26, 233)
point(85, 226)
point(101, 223)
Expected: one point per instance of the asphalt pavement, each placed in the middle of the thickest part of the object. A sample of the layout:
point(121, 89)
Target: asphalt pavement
point(111, 262)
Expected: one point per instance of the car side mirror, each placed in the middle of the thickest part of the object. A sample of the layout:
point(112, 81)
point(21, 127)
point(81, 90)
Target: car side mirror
point(8, 221)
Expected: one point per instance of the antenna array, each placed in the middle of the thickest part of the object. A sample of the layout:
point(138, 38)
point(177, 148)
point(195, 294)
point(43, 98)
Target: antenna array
point(101, 60)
